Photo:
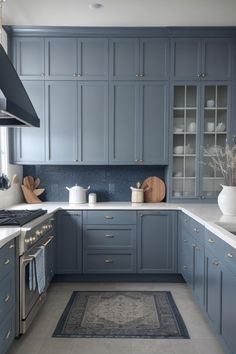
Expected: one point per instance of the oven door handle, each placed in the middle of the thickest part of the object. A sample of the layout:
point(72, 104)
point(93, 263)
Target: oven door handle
point(27, 259)
point(48, 241)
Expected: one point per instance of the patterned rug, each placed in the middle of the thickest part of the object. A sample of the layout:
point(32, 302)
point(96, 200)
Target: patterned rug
point(121, 314)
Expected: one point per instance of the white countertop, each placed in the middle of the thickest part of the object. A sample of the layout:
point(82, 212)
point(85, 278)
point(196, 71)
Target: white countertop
point(206, 214)
point(7, 234)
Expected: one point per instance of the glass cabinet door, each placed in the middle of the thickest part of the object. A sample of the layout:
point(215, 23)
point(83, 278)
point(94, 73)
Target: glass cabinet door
point(185, 127)
point(214, 127)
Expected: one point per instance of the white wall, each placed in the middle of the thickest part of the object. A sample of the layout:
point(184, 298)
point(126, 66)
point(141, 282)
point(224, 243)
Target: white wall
point(14, 194)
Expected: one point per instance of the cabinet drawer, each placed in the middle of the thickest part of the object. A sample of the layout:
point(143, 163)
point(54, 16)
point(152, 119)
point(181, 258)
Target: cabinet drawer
point(109, 263)
point(7, 295)
point(221, 250)
point(109, 237)
point(191, 226)
point(7, 258)
point(109, 217)
point(7, 332)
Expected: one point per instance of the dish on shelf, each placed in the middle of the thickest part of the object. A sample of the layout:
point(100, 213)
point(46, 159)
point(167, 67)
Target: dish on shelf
point(220, 127)
point(179, 150)
point(178, 174)
point(192, 127)
point(177, 194)
point(210, 103)
point(178, 130)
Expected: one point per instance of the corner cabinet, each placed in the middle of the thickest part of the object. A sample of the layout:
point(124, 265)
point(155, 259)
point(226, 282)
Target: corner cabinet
point(138, 114)
point(200, 120)
point(157, 242)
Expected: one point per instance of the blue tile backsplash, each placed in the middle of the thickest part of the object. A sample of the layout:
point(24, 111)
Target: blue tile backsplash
point(110, 183)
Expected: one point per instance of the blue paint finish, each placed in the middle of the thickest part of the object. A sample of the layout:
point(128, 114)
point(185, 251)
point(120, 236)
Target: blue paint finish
point(55, 178)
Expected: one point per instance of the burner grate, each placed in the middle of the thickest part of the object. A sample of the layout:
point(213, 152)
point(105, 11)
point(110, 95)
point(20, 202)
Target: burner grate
point(19, 217)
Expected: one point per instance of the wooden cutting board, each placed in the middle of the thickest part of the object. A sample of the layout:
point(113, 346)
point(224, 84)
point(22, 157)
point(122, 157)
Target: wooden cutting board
point(156, 191)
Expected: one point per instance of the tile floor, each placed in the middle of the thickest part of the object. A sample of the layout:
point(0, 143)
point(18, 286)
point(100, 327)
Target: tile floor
point(38, 339)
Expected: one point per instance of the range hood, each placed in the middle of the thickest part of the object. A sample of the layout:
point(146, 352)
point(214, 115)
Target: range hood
point(16, 109)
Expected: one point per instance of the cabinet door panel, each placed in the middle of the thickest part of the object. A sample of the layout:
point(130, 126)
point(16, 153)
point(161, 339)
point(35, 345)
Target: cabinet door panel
point(198, 273)
point(30, 57)
point(61, 54)
point(217, 59)
point(154, 58)
point(154, 122)
point(124, 59)
point(213, 290)
point(186, 58)
point(93, 59)
point(69, 242)
point(62, 121)
point(229, 308)
point(93, 122)
point(123, 130)
point(30, 142)
point(156, 242)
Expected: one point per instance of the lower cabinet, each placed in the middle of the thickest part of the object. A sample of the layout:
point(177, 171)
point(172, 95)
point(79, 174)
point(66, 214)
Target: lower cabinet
point(213, 289)
point(157, 242)
point(109, 242)
point(69, 242)
point(7, 296)
point(191, 254)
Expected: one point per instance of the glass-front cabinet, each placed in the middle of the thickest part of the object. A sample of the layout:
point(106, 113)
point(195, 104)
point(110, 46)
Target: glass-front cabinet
point(200, 122)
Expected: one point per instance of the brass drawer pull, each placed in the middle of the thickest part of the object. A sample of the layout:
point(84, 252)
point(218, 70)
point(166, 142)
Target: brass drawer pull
point(185, 267)
point(7, 298)
point(185, 241)
point(8, 335)
point(109, 236)
point(185, 220)
point(230, 255)
point(7, 261)
point(12, 246)
point(108, 217)
point(211, 241)
point(195, 229)
point(108, 261)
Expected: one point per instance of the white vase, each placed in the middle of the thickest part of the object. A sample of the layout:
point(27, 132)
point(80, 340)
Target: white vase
point(227, 200)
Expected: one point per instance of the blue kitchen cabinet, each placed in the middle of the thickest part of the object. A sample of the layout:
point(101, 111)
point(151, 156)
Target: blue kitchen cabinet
point(153, 143)
point(69, 242)
point(29, 58)
point(157, 242)
point(191, 254)
point(123, 123)
point(7, 295)
point(61, 58)
point(30, 143)
point(78, 59)
point(201, 59)
point(228, 316)
point(213, 289)
point(61, 111)
point(93, 122)
point(138, 123)
point(137, 59)
point(109, 242)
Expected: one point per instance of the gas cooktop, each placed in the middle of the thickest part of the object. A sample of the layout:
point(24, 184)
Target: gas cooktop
point(19, 217)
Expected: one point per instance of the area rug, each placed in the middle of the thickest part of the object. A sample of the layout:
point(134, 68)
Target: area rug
point(121, 314)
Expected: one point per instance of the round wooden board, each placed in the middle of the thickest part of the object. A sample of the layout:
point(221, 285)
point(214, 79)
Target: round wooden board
point(156, 191)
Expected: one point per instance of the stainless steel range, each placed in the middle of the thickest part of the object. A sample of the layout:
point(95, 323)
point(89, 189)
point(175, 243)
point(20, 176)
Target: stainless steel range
point(37, 231)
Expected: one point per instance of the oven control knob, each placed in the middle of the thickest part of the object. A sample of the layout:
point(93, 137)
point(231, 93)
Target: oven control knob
point(27, 240)
point(38, 232)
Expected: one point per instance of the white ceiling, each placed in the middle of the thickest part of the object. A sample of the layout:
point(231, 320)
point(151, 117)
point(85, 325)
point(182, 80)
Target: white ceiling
point(120, 13)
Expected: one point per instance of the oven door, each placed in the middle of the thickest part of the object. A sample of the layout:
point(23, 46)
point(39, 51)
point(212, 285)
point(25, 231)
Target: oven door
point(30, 298)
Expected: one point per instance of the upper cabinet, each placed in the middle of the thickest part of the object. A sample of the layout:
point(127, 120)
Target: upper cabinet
point(204, 59)
point(29, 58)
point(79, 59)
point(138, 123)
point(30, 143)
point(135, 59)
